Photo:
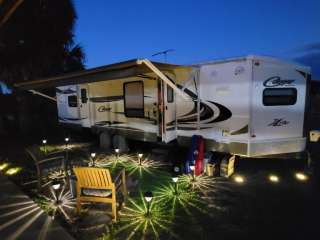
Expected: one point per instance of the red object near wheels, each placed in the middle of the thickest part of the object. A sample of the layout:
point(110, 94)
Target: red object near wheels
point(199, 161)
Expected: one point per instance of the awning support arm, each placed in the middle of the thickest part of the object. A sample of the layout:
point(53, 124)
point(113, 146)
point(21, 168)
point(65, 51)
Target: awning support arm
point(163, 77)
point(42, 95)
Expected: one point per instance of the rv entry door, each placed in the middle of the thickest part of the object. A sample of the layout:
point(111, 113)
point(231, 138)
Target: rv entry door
point(169, 131)
point(84, 105)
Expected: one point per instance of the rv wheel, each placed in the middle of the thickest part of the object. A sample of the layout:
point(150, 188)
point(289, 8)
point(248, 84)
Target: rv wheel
point(120, 142)
point(105, 140)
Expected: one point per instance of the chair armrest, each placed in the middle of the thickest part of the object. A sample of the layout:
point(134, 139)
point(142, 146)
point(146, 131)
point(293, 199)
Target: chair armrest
point(118, 177)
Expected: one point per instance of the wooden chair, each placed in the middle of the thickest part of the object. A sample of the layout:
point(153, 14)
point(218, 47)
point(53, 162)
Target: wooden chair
point(45, 164)
point(96, 185)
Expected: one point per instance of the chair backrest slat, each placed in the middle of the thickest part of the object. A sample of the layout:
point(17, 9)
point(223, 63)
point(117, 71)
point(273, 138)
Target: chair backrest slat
point(93, 177)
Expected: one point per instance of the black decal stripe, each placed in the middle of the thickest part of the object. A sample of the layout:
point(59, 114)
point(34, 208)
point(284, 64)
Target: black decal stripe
point(125, 128)
point(242, 130)
point(71, 119)
point(207, 113)
point(106, 99)
point(189, 93)
point(225, 113)
point(302, 73)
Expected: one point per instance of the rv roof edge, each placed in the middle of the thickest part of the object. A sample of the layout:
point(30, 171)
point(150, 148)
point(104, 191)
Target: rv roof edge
point(154, 69)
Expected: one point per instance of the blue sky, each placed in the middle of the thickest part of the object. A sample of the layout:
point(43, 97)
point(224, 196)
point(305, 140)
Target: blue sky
point(112, 31)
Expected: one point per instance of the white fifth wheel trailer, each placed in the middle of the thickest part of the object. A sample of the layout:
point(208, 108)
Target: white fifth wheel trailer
point(249, 106)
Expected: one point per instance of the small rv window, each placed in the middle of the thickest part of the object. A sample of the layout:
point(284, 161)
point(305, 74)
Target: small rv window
point(133, 99)
point(279, 96)
point(170, 96)
point(84, 98)
point(72, 101)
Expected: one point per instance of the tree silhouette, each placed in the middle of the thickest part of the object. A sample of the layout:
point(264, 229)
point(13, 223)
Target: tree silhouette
point(38, 42)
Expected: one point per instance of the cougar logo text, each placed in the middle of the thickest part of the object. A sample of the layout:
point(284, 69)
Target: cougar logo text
point(104, 109)
point(277, 81)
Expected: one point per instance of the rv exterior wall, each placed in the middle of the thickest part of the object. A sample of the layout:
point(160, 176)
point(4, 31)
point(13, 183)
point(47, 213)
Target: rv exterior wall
point(239, 110)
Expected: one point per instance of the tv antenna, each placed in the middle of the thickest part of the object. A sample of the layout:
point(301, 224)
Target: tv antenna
point(164, 53)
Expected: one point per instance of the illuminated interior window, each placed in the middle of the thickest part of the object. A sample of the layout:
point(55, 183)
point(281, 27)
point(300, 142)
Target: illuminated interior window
point(133, 99)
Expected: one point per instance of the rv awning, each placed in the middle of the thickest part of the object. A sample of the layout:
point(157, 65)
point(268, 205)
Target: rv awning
point(131, 68)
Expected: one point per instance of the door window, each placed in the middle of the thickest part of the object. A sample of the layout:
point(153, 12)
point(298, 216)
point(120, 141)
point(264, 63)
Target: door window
point(73, 101)
point(170, 95)
point(84, 98)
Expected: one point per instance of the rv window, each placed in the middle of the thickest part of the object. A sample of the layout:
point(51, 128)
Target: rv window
point(170, 96)
point(72, 101)
point(84, 98)
point(133, 99)
point(279, 96)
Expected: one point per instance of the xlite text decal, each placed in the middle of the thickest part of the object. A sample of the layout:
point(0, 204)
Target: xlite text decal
point(276, 81)
point(277, 122)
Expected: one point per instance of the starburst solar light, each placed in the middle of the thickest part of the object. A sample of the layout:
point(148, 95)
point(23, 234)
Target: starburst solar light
point(200, 183)
point(137, 224)
point(58, 202)
point(186, 199)
point(145, 166)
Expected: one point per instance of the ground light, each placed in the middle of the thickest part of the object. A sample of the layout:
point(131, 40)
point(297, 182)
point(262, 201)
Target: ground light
point(175, 181)
point(13, 171)
point(44, 142)
point(148, 197)
point(3, 166)
point(274, 178)
point(192, 168)
point(117, 150)
point(93, 155)
point(238, 179)
point(140, 158)
point(67, 141)
point(56, 184)
point(301, 176)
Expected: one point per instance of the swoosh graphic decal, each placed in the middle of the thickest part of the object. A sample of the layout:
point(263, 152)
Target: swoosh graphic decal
point(225, 113)
point(207, 114)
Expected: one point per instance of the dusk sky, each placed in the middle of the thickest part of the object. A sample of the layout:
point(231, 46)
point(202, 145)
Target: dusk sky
point(198, 31)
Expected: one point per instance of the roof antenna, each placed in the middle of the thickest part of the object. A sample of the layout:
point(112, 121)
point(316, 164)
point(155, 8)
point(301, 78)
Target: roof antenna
point(164, 53)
